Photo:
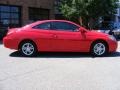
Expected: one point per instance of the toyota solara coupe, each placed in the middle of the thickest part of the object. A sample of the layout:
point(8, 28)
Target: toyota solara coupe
point(58, 36)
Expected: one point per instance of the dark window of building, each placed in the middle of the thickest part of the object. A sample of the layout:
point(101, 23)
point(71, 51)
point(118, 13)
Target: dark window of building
point(10, 16)
point(38, 14)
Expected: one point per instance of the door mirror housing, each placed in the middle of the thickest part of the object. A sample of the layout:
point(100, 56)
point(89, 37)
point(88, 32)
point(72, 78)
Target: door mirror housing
point(82, 30)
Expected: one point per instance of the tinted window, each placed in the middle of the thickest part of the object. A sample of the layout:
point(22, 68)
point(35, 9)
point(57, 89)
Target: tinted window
point(63, 26)
point(43, 26)
point(38, 14)
point(10, 16)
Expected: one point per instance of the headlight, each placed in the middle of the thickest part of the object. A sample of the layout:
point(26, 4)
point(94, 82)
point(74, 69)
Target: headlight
point(112, 37)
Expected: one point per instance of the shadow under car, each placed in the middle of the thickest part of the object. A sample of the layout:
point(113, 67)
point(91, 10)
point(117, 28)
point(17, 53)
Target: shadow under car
point(64, 55)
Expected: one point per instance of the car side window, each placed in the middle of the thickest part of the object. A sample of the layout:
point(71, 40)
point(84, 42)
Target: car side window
point(63, 26)
point(44, 26)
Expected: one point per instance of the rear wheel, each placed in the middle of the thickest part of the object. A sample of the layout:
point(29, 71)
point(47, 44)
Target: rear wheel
point(99, 49)
point(28, 48)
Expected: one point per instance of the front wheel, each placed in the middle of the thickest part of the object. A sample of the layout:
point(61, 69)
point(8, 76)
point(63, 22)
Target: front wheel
point(28, 49)
point(99, 49)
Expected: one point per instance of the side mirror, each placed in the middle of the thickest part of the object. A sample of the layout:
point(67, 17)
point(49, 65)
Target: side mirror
point(82, 30)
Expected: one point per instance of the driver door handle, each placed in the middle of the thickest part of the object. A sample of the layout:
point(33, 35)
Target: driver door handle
point(55, 36)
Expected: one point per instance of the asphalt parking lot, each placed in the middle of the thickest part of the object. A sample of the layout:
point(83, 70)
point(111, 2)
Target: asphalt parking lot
point(58, 71)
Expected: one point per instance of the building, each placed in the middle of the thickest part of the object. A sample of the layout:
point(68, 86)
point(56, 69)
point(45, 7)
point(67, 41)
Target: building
point(15, 13)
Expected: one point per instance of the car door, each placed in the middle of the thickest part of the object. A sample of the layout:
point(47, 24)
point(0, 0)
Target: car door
point(66, 37)
point(43, 36)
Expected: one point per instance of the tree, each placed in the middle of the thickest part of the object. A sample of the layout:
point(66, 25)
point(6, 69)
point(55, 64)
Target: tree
point(88, 12)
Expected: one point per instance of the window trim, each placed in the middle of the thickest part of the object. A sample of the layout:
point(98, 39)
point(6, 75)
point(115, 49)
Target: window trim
point(55, 29)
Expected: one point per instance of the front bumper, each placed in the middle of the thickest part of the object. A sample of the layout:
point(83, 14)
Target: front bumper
point(113, 46)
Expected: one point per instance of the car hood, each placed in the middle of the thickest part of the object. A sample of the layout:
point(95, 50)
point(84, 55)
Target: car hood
point(95, 33)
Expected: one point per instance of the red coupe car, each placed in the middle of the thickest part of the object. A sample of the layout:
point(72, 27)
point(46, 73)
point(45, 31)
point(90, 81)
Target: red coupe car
point(58, 36)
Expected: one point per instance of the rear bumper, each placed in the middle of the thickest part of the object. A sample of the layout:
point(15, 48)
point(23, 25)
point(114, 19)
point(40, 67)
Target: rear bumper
point(10, 43)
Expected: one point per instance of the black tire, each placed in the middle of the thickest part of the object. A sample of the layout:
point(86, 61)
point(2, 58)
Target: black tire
point(99, 48)
point(28, 48)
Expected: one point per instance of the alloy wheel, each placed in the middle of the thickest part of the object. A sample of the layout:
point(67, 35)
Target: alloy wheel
point(28, 49)
point(99, 49)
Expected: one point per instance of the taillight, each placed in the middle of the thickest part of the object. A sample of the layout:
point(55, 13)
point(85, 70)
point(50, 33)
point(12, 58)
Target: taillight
point(10, 32)
point(13, 30)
